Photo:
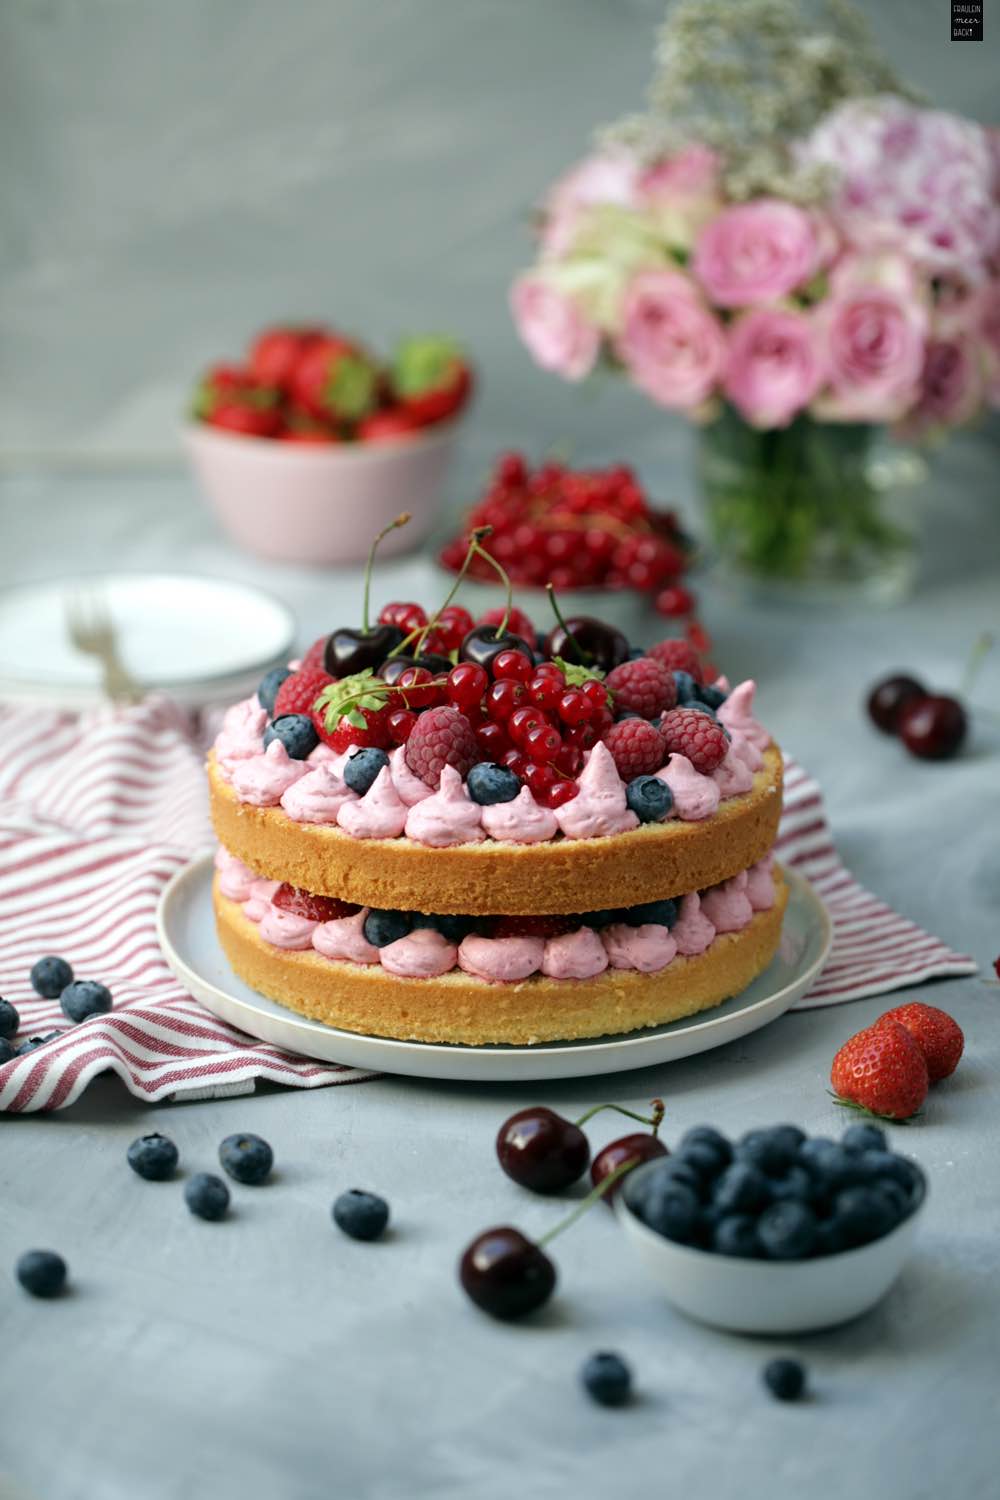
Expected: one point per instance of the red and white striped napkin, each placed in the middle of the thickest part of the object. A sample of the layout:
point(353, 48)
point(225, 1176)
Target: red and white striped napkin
point(97, 812)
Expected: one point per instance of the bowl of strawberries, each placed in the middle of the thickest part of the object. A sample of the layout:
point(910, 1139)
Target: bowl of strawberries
point(312, 442)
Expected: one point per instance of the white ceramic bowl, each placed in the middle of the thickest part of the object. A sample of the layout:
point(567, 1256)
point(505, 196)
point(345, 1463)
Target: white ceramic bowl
point(766, 1296)
point(321, 505)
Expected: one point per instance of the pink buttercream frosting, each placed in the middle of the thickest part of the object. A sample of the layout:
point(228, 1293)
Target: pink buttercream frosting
point(732, 776)
point(409, 786)
point(318, 796)
point(520, 821)
point(727, 906)
point(344, 938)
point(574, 955)
point(746, 751)
point(422, 954)
point(241, 735)
point(321, 754)
point(696, 797)
point(505, 960)
point(599, 808)
point(263, 779)
point(648, 948)
point(737, 715)
point(760, 884)
point(286, 929)
point(446, 818)
point(235, 880)
point(258, 903)
point(693, 931)
point(379, 814)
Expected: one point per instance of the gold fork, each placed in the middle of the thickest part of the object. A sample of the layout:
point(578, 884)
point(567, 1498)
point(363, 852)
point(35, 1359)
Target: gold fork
point(91, 629)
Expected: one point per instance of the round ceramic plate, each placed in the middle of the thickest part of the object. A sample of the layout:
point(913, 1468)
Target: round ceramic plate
point(186, 928)
point(198, 639)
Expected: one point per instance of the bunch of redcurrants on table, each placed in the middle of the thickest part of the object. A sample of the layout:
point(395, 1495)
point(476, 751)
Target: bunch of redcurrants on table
point(317, 386)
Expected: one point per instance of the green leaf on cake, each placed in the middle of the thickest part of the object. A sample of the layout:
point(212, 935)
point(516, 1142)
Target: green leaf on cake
point(346, 699)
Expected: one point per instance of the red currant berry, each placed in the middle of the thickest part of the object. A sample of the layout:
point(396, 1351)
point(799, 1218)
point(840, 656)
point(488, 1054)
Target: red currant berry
point(515, 664)
point(418, 695)
point(595, 693)
point(516, 761)
point(583, 736)
point(400, 725)
point(521, 721)
point(511, 470)
point(574, 707)
point(466, 685)
point(569, 761)
point(502, 698)
point(542, 743)
point(674, 602)
point(698, 636)
point(560, 792)
point(406, 616)
point(454, 624)
point(540, 777)
point(492, 739)
point(545, 691)
point(549, 669)
point(602, 722)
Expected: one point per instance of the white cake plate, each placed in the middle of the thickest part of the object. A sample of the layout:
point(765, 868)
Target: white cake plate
point(186, 928)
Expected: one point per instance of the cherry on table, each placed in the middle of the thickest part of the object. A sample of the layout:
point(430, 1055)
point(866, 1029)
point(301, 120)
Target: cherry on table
point(540, 1150)
point(638, 1148)
point(933, 727)
point(889, 697)
point(506, 1274)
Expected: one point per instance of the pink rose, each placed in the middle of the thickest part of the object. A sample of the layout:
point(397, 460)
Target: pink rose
point(989, 330)
point(606, 177)
point(774, 368)
point(554, 327)
point(951, 384)
point(757, 252)
point(672, 346)
point(873, 349)
point(680, 194)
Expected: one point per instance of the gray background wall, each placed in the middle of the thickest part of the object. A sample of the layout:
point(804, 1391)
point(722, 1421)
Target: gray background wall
point(173, 175)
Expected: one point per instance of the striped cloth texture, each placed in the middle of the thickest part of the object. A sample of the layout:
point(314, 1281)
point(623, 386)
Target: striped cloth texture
point(99, 810)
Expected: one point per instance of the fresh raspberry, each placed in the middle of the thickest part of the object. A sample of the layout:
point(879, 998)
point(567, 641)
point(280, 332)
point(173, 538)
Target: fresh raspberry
point(688, 731)
point(543, 927)
point(677, 656)
point(937, 1034)
point(636, 748)
point(298, 693)
point(882, 1070)
point(316, 908)
point(441, 737)
point(645, 686)
point(316, 654)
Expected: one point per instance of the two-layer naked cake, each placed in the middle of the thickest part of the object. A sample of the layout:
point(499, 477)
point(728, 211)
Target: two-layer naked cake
point(492, 843)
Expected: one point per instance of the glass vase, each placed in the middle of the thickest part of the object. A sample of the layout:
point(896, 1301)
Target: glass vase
point(816, 511)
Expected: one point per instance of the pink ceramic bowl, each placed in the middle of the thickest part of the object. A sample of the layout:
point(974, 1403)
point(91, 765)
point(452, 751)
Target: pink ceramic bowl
point(321, 505)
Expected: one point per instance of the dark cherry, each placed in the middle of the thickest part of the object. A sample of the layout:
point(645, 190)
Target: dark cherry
point(349, 651)
point(542, 1151)
point(483, 643)
point(640, 1146)
point(506, 1274)
point(393, 668)
point(933, 727)
point(889, 697)
point(602, 645)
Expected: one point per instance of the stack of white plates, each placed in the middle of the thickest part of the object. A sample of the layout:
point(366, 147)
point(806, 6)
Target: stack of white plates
point(200, 640)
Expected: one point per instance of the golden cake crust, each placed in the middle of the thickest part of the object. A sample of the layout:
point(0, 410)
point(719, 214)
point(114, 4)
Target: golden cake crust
point(566, 875)
point(458, 1008)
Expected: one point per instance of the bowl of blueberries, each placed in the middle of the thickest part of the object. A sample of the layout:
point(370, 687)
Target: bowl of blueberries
point(776, 1232)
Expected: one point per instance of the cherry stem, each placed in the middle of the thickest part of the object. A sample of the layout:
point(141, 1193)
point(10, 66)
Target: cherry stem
point(419, 634)
point(655, 1120)
point(478, 551)
point(595, 1193)
point(583, 657)
point(978, 655)
point(400, 520)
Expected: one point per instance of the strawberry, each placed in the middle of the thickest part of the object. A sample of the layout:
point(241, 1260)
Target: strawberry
point(217, 384)
point(275, 353)
point(299, 692)
point(388, 425)
point(344, 733)
point(305, 904)
point(881, 1070)
point(248, 420)
point(335, 381)
point(316, 655)
point(311, 437)
point(431, 378)
point(938, 1036)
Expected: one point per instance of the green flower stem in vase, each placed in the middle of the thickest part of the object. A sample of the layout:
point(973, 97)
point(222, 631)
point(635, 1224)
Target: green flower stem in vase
point(798, 509)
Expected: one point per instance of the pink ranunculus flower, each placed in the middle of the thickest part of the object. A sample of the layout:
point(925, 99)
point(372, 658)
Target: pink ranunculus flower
point(554, 327)
point(774, 368)
point(757, 252)
point(605, 177)
point(672, 346)
point(872, 344)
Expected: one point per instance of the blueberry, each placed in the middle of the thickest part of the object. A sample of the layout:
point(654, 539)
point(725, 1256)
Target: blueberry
point(600, 919)
point(362, 768)
point(670, 1172)
point(736, 1234)
point(296, 732)
point(787, 1231)
point(670, 1208)
point(7, 1050)
point(488, 783)
point(649, 798)
point(247, 1158)
point(269, 685)
point(771, 1151)
point(635, 652)
point(41, 1272)
point(703, 1158)
point(784, 1378)
point(795, 1185)
point(35, 1042)
point(864, 1214)
point(382, 927)
point(607, 1378)
point(700, 707)
point(85, 998)
point(451, 928)
point(712, 697)
point(710, 1136)
point(662, 912)
point(361, 1215)
point(154, 1157)
point(206, 1196)
point(830, 1166)
point(886, 1166)
point(688, 690)
point(9, 1020)
point(626, 713)
point(50, 976)
point(830, 1237)
point(863, 1137)
point(741, 1189)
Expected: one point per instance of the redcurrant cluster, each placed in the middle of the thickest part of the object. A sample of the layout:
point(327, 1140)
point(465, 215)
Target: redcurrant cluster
point(583, 528)
point(446, 634)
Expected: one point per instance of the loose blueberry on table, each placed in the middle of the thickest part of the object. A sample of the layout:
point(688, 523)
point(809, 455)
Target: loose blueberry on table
point(153, 1157)
point(206, 1196)
point(361, 1215)
point(246, 1158)
point(41, 1272)
point(784, 1378)
point(50, 976)
point(84, 998)
point(607, 1378)
point(10, 1021)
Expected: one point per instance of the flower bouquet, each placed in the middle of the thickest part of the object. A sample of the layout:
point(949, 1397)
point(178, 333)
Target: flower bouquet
point(796, 255)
